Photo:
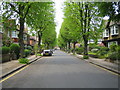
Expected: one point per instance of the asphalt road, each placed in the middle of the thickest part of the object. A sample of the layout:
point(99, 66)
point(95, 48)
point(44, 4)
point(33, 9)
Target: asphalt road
point(62, 71)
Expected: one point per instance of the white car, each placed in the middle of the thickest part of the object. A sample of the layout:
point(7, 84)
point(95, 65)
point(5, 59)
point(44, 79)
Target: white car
point(47, 53)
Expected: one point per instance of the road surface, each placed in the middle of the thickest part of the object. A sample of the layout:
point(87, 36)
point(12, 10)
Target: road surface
point(62, 71)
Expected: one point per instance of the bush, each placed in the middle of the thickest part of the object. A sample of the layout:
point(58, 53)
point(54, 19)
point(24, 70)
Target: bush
point(23, 60)
point(27, 52)
point(98, 47)
point(79, 50)
point(103, 51)
point(29, 48)
point(39, 54)
point(15, 48)
point(5, 50)
point(92, 46)
point(113, 47)
point(85, 57)
point(118, 49)
point(92, 54)
point(94, 50)
point(114, 56)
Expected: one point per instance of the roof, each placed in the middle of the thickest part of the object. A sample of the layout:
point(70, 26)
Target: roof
point(112, 22)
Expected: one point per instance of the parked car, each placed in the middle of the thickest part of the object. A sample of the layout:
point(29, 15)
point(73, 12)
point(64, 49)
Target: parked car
point(47, 53)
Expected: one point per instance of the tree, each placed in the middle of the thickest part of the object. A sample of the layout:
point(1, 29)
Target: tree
point(49, 36)
point(41, 21)
point(81, 20)
point(110, 9)
point(72, 24)
point(61, 43)
point(18, 10)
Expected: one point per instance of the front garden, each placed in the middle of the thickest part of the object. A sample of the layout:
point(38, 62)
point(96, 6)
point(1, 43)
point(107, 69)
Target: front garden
point(12, 52)
point(112, 53)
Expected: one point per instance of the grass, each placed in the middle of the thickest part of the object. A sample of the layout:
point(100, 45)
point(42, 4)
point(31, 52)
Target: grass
point(23, 60)
point(39, 55)
point(92, 53)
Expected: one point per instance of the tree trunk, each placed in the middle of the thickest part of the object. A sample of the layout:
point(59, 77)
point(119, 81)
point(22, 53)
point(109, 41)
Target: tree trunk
point(85, 46)
point(74, 47)
point(21, 20)
point(21, 42)
point(39, 40)
point(68, 47)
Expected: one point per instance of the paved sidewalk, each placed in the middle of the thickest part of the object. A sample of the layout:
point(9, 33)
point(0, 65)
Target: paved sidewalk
point(101, 62)
point(8, 67)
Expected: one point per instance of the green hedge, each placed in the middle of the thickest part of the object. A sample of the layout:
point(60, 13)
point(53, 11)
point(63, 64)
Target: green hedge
point(15, 48)
point(5, 54)
point(5, 50)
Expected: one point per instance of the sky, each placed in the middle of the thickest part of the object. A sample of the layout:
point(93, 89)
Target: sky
point(58, 14)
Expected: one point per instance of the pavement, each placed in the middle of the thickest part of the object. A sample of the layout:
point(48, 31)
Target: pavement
point(114, 67)
point(14, 65)
point(61, 71)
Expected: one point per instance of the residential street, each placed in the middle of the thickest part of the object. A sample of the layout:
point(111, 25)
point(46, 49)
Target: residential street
point(62, 71)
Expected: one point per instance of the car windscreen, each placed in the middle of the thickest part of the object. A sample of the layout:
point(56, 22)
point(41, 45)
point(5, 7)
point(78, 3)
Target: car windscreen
point(46, 51)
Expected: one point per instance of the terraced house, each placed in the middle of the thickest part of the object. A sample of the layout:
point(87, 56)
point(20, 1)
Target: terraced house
point(112, 34)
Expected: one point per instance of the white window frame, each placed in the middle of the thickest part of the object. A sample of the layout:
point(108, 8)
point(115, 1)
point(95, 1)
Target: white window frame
point(14, 34)
point(1, 30)
point(114, 30)
point(106, 33)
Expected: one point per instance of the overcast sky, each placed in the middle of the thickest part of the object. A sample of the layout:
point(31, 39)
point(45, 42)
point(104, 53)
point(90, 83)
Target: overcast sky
point(59, 14)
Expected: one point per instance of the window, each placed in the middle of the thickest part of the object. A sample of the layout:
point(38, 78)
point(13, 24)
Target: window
point(114, 30)
point(8, 34)
point(14, 34)
point(106, 33)
point(25, 37)
point(0, 30)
